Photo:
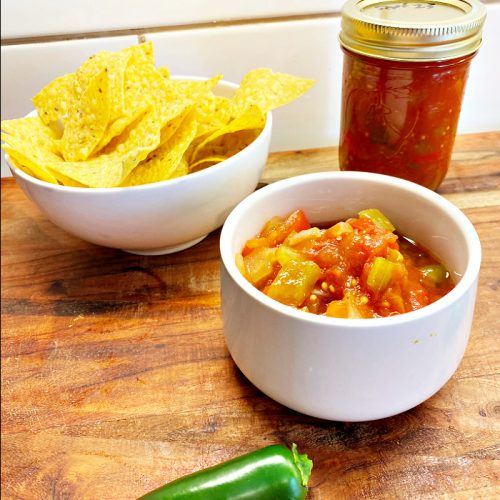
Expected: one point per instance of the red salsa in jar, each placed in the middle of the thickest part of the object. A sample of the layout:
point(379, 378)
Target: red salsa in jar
point(400, 118)
point(405, 68)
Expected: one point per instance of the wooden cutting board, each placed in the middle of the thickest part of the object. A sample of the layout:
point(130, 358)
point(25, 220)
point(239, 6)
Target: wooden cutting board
point(116, 377)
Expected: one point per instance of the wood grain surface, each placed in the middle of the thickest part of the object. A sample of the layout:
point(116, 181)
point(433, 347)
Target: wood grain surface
point(116, 377)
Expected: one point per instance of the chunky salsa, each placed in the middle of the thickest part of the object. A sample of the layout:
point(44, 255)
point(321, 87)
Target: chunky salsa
point(400, 117)
point(358, 268)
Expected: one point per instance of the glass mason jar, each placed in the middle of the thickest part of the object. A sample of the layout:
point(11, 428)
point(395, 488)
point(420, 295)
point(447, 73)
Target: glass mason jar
point(405, 68)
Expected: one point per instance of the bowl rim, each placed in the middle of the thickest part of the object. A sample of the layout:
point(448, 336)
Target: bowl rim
point(153, 185)
point(465, 283)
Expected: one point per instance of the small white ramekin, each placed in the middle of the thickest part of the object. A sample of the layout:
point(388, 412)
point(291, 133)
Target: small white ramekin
point(350, 369)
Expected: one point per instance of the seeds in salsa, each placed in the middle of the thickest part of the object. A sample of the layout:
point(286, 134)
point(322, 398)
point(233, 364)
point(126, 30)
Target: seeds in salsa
point(358, 268)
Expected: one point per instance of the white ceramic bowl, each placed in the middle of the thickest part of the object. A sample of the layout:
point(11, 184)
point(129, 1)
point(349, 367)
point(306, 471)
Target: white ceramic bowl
point(350, 369)
point(157, 218)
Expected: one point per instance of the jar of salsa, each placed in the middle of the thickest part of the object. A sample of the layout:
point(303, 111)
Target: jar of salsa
point(405, 68)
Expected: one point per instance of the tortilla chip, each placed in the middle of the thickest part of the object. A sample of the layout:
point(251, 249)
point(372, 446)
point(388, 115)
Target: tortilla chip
point(212, 112)
point(137, 141)
point(117, 127)
point(143, 51)
point(208, 161)
point(192, 91)
point(165, 72)
point(103, 171)
point(32, 130)
point(172, 125)
point(31, 165)
point(181, 169)
point(252, 118)
point(268, 90)
point(87, 120)
point(53, 101)
point(165, 160)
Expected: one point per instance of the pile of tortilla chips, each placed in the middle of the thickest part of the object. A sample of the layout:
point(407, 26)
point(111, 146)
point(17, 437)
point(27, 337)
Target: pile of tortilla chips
point(118, 120)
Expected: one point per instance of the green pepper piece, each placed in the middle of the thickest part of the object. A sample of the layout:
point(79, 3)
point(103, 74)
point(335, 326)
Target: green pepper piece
point(378, 218)
point(271, 473)
point(380, 275)
point(434, 274)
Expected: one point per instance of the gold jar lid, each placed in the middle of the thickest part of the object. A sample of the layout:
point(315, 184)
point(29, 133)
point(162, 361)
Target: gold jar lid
point(411, 30)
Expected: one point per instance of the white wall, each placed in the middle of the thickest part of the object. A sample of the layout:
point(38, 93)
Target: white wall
point(44, 39)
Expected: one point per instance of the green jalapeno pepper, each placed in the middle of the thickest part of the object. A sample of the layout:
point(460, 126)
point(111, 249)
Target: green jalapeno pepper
point(271, 473)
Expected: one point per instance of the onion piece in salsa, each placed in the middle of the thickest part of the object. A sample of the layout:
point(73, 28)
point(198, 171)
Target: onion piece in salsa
point(358, 268)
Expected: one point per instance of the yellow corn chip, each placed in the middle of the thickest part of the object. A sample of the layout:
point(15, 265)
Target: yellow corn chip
point(172, 125)
point(35, 156)
point(32, 166)
point(36, 149)
point(67, 181)
point(53, 101)
point(102, 171)
point(252, 118)
point(24, 168)
point(164, 71)
point(212, 113)
point(87, 120)
point(137, 141)
point(180, 170)
point(206, 162)
point(32, 130)
point(90, 68)
point(235, 142)
point(268, 90)
point(163, 163)
point(225, 146)
point(114, 64)
point(143, 51)
point(118, 127)
point(192, 90)
point(144, 84)
point(116, 83)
